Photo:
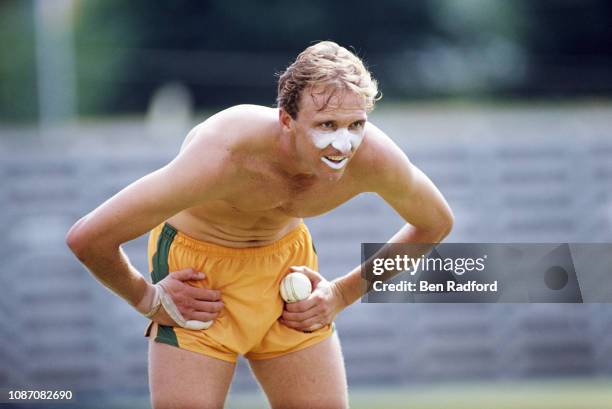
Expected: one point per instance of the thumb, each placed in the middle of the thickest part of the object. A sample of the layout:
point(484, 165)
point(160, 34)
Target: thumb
point(314, 277)
point(187, 274)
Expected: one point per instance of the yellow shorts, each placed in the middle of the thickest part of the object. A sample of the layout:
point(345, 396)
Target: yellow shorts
point(249, 281)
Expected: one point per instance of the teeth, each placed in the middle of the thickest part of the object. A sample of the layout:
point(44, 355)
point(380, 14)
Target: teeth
point(334, 164)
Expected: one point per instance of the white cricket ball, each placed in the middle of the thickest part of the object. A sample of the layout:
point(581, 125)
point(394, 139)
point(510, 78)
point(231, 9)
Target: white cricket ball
point(295, 287)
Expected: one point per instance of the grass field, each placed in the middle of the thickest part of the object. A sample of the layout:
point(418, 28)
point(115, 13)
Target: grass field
point(595, 393)
point(567, 394)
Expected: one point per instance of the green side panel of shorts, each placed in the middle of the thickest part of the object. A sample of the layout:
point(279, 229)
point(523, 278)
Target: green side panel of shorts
point(165, 333)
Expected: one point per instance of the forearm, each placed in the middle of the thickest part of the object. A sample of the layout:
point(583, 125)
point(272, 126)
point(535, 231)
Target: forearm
point(113, 269)
point(352, 286)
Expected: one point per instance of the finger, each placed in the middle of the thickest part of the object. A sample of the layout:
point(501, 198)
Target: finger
point(207, 306)
point(314, 327)
point(188, 274)
point(301, 316)
point(302, 306)
point(302, 325)
point(290, 324)
point(312, 275)
point(204, 294)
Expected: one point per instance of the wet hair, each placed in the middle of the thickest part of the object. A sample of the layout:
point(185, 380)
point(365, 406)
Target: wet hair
point(328, 65)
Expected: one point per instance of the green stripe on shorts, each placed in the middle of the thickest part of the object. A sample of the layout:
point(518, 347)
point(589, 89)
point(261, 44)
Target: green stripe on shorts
point(165, 333)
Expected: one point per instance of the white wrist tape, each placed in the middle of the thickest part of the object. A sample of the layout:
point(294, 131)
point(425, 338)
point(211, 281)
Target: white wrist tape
point(155, 305)
point(175, 314)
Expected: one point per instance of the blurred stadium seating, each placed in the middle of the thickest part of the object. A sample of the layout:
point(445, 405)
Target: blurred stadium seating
point(514, 174)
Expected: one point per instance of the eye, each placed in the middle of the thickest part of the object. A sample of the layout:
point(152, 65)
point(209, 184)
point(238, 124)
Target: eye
point(356, 125)
point(326, 125)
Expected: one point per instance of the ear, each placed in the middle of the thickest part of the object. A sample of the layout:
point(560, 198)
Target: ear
point(285, 120)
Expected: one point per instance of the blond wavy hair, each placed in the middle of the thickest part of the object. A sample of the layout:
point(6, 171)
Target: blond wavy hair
point(329, 65)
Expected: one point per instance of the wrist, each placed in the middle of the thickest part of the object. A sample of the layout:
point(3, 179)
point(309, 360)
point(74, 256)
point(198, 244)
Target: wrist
point(339, 292)
point(150, 302)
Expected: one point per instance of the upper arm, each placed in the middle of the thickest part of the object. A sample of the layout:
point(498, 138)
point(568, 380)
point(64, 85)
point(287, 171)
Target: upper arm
point(196, 175)
point(405, 187)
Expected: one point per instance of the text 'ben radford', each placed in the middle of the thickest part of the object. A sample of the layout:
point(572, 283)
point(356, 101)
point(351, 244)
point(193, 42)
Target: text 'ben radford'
point(424, 286)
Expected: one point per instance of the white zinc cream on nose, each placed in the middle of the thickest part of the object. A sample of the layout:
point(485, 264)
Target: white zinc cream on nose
point(341, 139)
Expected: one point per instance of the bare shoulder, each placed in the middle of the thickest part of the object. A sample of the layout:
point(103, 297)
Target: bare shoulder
point(235, 128)
point(379, 162)
point(213, 149)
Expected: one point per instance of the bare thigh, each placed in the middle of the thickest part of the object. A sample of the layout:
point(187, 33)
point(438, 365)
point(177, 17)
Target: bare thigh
point(313, 377)
point(184, 379)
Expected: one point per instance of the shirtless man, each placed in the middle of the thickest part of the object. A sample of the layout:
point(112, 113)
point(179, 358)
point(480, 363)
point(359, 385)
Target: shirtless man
point(226, 226)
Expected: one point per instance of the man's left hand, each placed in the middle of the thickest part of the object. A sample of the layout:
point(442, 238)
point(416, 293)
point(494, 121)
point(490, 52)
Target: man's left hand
point(319, 309)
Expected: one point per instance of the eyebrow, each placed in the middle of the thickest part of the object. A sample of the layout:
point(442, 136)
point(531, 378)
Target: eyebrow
point(323, 121)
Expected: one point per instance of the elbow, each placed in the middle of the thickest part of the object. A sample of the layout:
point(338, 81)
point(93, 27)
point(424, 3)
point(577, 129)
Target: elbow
point(442, 227)
point(76, 241)
point(437, 228)
point(447, 225)
point(86, 242)
point(446, 231)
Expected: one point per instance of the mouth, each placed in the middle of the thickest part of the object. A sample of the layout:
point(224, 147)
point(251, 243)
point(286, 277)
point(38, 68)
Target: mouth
point(334, 161)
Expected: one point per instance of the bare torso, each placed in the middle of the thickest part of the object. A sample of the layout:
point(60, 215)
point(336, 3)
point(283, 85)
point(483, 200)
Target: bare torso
point(266, 203)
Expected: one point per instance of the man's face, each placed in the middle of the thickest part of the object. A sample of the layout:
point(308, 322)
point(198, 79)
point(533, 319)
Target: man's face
point(327, 139)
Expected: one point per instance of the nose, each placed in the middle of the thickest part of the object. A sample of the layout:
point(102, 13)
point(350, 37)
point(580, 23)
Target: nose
point(342, 144)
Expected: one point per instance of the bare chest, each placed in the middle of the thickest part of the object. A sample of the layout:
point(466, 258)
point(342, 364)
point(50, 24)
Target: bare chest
point(277, 197)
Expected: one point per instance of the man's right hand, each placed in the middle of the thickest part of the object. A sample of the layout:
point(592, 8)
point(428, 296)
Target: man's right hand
point(194, 303)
